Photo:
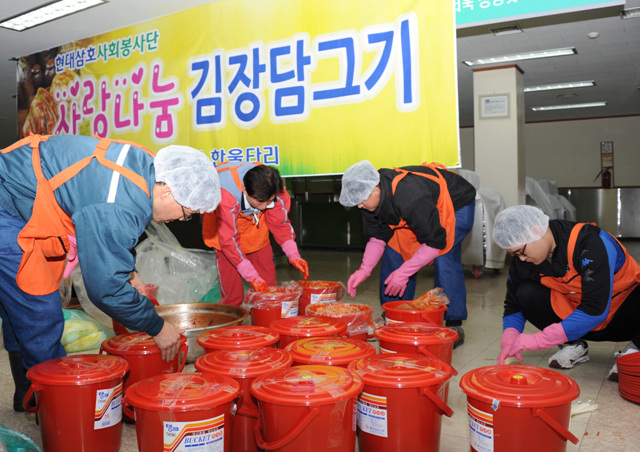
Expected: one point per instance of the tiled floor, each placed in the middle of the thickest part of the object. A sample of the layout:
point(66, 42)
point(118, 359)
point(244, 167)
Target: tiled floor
point(613, 426)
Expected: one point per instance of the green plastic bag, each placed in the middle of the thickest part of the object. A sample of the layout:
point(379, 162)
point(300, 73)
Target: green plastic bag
point(12, 441)
point(81, 332)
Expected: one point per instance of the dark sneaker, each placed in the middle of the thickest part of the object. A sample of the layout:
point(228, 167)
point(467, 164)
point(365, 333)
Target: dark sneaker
point(460, 339)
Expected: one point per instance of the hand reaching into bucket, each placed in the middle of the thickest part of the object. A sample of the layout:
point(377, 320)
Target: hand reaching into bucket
point(372, 254)
point(301, 265)
point(251, 275)
point(290, 249)
point(259, 285)
point(168, 341)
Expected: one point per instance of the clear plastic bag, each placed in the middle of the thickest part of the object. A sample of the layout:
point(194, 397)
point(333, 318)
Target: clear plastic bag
point(182, 275)
point(431, 300)
point(275, 295)
point(81, 332)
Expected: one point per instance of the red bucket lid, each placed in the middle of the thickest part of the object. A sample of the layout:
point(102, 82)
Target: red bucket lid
point(416, 333)
point(76, 370)
point(186, 391)
point(309, 326)
point(247, 363)
point(519, 386)
point(133, 344)
point(332, 351)
point(238, 337)
point(307, 385)
point(401, 370)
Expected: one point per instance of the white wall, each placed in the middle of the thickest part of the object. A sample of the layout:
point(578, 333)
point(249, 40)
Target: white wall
point(569, 151)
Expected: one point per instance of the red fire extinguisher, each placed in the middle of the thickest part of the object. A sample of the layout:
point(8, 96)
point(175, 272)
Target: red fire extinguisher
point(606, 178)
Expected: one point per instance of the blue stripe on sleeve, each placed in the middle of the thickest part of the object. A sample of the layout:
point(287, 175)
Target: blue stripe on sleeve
point(515, 320)
point(578, 323)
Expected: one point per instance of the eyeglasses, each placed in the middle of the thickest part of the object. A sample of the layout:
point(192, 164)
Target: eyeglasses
point(520, 252)
point(185, 216)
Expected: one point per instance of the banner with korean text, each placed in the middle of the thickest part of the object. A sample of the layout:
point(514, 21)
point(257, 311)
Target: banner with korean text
point(309, 86)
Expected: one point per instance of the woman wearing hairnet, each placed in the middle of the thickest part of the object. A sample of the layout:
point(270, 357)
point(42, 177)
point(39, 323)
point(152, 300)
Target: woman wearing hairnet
point(573, 281)
point(67, 200)
point(254, 203)
point(413, 216)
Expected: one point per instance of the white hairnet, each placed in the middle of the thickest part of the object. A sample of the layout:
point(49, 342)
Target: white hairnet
point(190, 175)
point(518, 225)
point(358, 182)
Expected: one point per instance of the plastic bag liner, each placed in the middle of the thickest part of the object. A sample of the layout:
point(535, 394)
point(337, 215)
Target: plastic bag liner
point(13, 441)
point(275, 296)
point(81, 332)
point(318, 292)
point(358, 317)
point(431, 300)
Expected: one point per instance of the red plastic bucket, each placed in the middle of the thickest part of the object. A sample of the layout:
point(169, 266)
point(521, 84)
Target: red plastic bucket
point(78, 402)
point(238, 337)
point(430, 340)
point(176, 412)
point(277, 302)
point(402, 403)
point(244, 366)
point(318, 292)
point(394, 315)
point(307, 408)
point(358, 317)
point(300, 327)
point(330, 351)
point(144, 356)
point(519, 407)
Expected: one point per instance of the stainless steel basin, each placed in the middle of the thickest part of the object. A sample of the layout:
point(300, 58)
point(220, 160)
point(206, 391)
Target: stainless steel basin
point(197, 318)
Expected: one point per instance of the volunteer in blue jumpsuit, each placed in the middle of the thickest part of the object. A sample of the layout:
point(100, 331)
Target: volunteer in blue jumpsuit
point(101, 195)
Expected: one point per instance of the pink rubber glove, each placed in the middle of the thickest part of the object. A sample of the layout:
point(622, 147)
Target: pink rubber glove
point(549, 337)
point(72, 257)
point(509, 337)
point(372, 254)
point(250, 274)
point(398, 279)
point(290, 249)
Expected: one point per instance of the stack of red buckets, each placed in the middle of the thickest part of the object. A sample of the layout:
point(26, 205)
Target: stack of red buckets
point(629, 376)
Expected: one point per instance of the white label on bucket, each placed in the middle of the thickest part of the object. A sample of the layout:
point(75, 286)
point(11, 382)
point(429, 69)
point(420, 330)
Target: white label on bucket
point(323, 298)
point(372, 414)
point(197, 436)
point(108, 407)
point(480, 429)
point(289, 309)
point(386, 350)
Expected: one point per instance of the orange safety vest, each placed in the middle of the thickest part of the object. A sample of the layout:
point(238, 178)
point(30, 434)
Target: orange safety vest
point(252, 236)
point(404, 241)
point(566, 291)
point(44, 239)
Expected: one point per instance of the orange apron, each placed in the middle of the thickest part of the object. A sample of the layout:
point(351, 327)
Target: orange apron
point(252, 236)
point(566, 292)
point(404, 241)
point(44, 239)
